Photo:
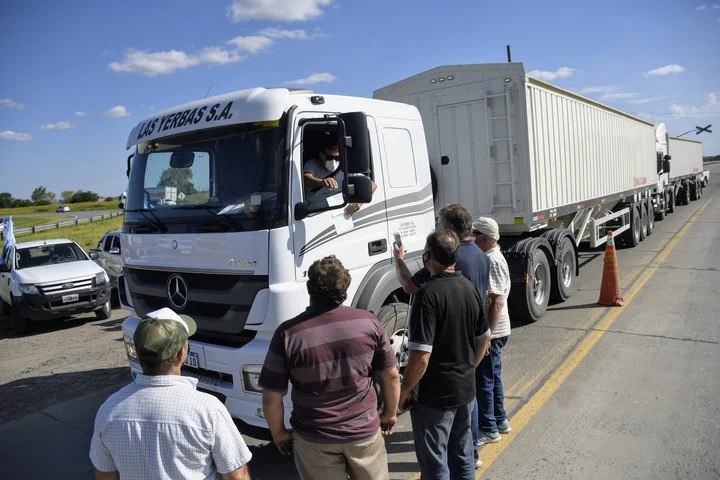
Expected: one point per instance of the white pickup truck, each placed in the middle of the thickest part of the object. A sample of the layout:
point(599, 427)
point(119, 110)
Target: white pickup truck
point(46, 279)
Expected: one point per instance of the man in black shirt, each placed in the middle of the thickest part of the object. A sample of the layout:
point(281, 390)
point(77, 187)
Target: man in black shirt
point(448, 338)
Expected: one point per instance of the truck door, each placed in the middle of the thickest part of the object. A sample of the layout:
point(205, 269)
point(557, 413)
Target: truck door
point(360, 240)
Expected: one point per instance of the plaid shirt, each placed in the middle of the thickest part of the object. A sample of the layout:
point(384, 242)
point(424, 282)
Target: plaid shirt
point(161, 427)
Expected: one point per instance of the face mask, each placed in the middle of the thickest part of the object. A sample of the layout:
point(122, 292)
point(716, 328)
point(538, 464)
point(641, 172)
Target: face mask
point(332, 165)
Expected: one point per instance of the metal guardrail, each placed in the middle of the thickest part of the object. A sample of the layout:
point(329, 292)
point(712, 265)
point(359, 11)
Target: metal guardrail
point(68, 223)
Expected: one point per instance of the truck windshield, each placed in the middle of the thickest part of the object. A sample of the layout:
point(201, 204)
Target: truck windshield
point(48, 255)
point(228, 180)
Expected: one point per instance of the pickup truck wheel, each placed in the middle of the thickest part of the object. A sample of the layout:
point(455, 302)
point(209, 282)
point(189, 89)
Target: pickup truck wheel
point(4, 308)
point(105, 312)
point(20, 324)
point(394, 319)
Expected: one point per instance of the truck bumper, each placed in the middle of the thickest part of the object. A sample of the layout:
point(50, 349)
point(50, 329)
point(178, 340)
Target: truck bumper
point(46, 307)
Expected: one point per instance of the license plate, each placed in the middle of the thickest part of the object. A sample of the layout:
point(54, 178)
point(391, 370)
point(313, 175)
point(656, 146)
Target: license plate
point(70, 298)
point(192, 360)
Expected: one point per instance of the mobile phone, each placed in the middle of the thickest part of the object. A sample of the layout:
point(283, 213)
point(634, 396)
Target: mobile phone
point(398, 240)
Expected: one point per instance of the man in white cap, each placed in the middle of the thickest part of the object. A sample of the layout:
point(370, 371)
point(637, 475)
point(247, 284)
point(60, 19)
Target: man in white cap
point(492, 418)
point(160, 426)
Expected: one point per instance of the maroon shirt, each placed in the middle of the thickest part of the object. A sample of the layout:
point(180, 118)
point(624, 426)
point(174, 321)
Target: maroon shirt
point(329, 354)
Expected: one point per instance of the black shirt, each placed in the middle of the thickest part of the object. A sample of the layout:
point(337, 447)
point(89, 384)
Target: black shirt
point(445, 320)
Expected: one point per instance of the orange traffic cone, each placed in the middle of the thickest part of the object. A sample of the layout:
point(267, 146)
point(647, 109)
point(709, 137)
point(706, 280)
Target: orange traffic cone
point(610, 287)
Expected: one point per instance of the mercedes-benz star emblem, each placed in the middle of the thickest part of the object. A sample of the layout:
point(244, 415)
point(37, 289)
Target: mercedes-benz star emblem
point(177, 291)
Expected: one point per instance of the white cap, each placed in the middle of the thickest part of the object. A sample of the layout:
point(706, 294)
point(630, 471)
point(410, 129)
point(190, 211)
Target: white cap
point(488, 226)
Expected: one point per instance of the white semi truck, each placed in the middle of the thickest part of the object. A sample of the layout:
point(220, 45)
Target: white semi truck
point(552, 167)
point(680, 172)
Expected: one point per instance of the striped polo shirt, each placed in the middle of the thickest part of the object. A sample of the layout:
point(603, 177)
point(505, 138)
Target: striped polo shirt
point(329, 354)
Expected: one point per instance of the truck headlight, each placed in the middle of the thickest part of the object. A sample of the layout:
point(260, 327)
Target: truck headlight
point(28, 289)
point(130, 348)
point(101, 278)
point(251, 378)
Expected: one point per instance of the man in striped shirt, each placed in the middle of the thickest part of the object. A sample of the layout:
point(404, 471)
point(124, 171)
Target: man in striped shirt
point(329, 354)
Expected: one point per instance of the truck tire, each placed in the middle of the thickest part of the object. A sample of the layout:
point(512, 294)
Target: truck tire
point(643, 222)
point(20, 324)
point(682, 196)
point(631, 237)
point(4, 308)
point(650, 219)
point(660, 212)
point(693, 191)
point(394, 319)
point(105, 312)
point(532, 304)
point(671, 201)
point(563, 281)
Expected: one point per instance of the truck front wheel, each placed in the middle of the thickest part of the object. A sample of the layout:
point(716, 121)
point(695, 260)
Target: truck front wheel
point(394, 319)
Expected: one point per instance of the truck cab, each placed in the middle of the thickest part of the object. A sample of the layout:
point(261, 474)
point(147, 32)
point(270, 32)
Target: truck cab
point(234, 247)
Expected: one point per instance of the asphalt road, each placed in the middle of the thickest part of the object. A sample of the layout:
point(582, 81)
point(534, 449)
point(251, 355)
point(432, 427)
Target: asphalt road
point(593, 392)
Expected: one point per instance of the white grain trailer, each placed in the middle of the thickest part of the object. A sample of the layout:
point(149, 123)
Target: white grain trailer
point(552, 167)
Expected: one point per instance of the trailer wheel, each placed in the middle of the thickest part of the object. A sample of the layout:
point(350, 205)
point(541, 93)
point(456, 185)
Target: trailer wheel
point(563, 282)
point(533, 304)
point(631, 237)
point(650, 219)
point(694, 191)
point(682, 196)
point(660, 212)
point(643, 222)
point(394, 319)
point(671, 201)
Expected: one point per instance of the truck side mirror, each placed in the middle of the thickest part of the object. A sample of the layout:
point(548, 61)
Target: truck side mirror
point(4, 267)
point(355, 140)
point(359, 189)
point(666, 164)
point(182, 159)
point(93, 253)
point(301, 211)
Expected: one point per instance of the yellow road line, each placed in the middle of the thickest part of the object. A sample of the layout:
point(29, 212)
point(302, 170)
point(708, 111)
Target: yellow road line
point(491, 452)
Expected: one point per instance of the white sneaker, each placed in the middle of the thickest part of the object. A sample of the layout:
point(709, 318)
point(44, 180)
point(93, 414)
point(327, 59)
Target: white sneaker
point(504, 427)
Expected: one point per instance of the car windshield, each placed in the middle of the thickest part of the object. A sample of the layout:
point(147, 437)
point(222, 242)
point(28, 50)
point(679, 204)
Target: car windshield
point(237, 176)
point(48, 255)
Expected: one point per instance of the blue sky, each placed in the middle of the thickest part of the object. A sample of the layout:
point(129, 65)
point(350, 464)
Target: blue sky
point(77, 76)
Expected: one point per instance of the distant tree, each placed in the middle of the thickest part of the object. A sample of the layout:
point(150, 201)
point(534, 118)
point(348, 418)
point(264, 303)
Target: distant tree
point(81, 196)
point(110, 199)
point(41, 196)
point(66, 195)
point(180, 178)
point(5, 200)
point(19, 202)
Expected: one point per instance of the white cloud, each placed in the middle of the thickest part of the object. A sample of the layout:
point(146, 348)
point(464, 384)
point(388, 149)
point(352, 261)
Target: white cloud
point(561, 72)
point(313, 78)
point(278, 10)
point(150, 64)
point(251, 43)
point(57, 126)
point(702, 7)
point(711, 107)
point(19, 137)
point(117, 111)
point(79, 114)
point(10, 103)
point(297, 34)
point(666, 70)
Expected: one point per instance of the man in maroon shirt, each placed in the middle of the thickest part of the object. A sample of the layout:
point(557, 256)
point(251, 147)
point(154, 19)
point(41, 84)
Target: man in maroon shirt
point(329, 354)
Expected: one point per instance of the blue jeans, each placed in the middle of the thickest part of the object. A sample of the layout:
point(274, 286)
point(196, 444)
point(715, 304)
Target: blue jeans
point(474, 425)
point(489, 387)
point(443, 444)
